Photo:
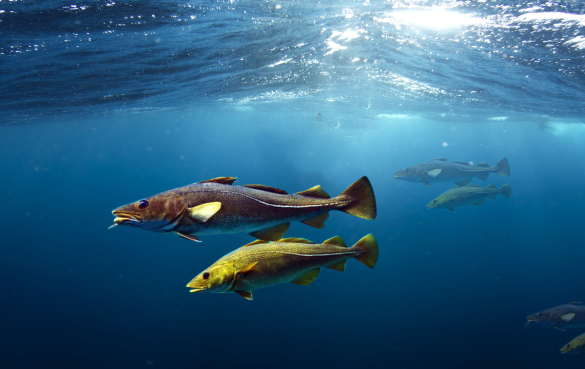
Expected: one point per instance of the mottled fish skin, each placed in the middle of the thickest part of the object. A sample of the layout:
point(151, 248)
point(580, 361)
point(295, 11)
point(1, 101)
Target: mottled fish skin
point(439, 170)
point(571, 315)
point(262, 264)
point(241, 208)
point(467, 195)
point(576, 346)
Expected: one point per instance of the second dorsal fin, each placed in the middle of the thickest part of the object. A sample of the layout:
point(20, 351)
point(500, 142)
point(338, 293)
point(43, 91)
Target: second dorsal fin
point(315, 191)
point(221, 180)
point(336, 241)
point(266, 188)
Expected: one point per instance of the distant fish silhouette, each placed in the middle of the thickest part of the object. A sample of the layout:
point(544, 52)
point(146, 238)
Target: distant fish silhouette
point(216, 206)
point(440, 170)
point(468, 195)
point(571, 315)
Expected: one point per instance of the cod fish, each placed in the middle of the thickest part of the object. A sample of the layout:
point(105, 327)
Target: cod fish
point(571, 315)
point(576, 346)
point(216, 206)
point(467, 195)
point(439, 170)
point(290, 260)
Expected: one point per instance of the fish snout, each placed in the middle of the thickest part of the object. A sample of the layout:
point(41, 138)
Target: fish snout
point(126, 218)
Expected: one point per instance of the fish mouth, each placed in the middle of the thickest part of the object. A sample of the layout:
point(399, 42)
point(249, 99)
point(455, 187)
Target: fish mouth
point(195, 289)
point(398, 176)
point(126, 218)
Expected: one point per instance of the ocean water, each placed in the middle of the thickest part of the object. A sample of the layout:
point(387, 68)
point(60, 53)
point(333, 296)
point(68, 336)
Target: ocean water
point(107, 102)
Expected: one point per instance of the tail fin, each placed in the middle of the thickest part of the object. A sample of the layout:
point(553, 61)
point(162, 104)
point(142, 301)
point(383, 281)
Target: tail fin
point(362, 200)
point(502, 168)
point(369, 247)
point(506, 190)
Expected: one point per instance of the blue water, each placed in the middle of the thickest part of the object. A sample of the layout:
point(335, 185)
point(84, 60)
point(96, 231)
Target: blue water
point(104, 103)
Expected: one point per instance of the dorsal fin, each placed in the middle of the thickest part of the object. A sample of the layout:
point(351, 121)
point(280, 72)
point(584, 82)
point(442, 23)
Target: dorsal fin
point(221, 180)
point(483, 164)
point(256, 242)
point(460, 162)
point(576, 303)
point(295, 240)
point(441, 159)
point(316, 191)
point(266, 188)
point(492, 186)
point(336, 241)
point(473, 186)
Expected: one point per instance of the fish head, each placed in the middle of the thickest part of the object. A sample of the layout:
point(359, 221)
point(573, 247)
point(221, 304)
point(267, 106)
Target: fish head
point(216, 278)
point(576, 346)
point(545, 318)
point(568, 348)
point(158, 213)
point(440, 202)
point(411, 174)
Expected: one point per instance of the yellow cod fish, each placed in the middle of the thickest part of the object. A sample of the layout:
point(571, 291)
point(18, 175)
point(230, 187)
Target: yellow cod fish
point(576, 346)
point(290, 260)
point(467, 195)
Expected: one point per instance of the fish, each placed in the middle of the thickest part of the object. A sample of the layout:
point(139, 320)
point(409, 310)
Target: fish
point(216, 206)
point(576, 346)
point(467, 195)
point(461, 173)
point(262, 264)
point(571, 315)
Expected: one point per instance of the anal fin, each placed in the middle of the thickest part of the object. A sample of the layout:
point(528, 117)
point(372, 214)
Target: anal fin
point(271, 234)
point(340, 266)
point(463, 182)
point(479, 202)
point(318, 221)
point(483, 176)
point(307, 278)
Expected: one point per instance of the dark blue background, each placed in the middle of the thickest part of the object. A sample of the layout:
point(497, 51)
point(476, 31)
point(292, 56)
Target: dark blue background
point(451, 290)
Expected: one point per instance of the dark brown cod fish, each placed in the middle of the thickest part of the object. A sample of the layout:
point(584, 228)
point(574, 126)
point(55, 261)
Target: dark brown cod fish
point(216, 206)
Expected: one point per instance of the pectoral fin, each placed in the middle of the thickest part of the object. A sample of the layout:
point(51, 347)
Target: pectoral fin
point(568, 317)
point(307, 278)
point(190, 237)
point(245, 294)
point(271, 234)
point(434, 172)
point(202, 213)
point(318, 221)
point(248, 268)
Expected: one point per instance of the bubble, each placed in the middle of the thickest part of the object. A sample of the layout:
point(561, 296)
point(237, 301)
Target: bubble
point(277, 6)
point(445, 144)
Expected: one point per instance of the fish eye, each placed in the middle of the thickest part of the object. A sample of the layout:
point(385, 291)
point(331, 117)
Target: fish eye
point(406, 170)
point(434, 201)
point(539, 314)
point(142, 204)
point(205, 275)
point(569, 345)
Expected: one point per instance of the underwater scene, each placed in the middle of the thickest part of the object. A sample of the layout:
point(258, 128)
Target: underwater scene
point(292, 184)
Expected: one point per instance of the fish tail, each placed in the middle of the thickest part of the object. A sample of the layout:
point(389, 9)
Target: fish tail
point(362, 202)
point(502, 168)
point(506, 190)
point(368, 247)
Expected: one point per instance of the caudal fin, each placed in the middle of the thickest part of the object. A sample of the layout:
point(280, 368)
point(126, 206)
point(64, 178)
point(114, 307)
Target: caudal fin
point(506, 190)
point(362, 200)
point(502, 168)
point(369, 250)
